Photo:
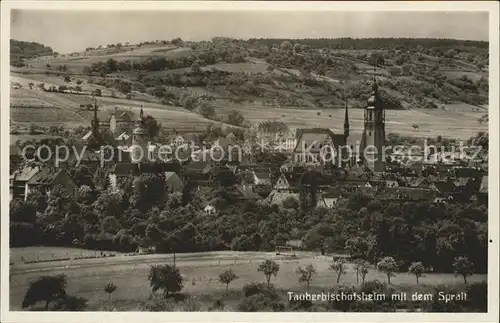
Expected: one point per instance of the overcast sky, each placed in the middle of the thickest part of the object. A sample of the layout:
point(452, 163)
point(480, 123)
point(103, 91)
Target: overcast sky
point(69, 31)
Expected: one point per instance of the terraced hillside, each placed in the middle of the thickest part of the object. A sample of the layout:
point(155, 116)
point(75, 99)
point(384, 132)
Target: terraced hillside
point(440, 86)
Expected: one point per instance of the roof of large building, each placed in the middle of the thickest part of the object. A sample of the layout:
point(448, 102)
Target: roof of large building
point(46, 176)
point(316, 138)
point(24, 174)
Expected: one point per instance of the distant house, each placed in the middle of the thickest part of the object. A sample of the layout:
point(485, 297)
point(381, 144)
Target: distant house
point(173, 182)
point(209, 209)
point(176, 140)
point(123, 139)
point(329, 198)
point(262, 176)
point(18, 181)
point(48, 178)
point(232, 137)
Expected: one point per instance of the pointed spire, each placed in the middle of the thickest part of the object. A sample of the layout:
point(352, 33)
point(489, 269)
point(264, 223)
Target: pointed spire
point(346, 117)
point(141, 114)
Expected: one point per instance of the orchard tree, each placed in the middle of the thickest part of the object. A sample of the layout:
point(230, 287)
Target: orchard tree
point(463, 267)
point(361, 267)
point(167, 278)
point(48, 289)
point(388, 266)
point(227, 277)
point(339, 267)
point(306, 274)
point(110, 288)
point(417, 269)
point(269, 268)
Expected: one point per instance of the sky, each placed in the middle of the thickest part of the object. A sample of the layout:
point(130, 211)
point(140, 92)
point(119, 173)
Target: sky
point(71, 31)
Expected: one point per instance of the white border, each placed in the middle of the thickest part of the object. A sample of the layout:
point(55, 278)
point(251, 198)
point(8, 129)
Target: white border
point(493, 253)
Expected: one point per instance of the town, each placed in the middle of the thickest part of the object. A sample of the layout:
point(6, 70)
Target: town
point(153, 172)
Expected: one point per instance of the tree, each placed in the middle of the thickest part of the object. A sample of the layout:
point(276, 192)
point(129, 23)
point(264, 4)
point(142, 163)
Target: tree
point(463, 267)
point(109, 288)
point(152, 126)
point(269, 268)
point(306, 274)
point(361, 266)
point(286, 45)
point(46, 289)
point(388, 266)
point(235, 118)
point(417, 269)
point(207, 110)
point(165, 277)
point(339, 268)
point(227, 277)
point(363, 271)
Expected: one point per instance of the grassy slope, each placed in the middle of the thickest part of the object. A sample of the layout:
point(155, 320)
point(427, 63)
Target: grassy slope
point(88, 277)
point(456, 120)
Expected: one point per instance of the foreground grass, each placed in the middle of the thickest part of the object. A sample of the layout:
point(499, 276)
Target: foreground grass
point(87, 278)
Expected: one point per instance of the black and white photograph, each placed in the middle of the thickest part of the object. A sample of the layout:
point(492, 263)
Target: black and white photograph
point(237, 157)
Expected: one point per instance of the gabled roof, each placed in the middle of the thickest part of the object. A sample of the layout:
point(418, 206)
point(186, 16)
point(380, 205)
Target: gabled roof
point(461, 181)
point(125, 169)
point(317, 137)
point(247, 192)
point(87, 135)
point(46, 176)
point(326, 202)
point(276, 197)
point(406, 193)
point(25, 174)
point(123, 136)
point(223, 142)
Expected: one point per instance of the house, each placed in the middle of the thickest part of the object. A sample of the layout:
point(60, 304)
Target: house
point(406, 194)
point(391, 183)
point(317, 146)
point(197, 171)
point(419, 182)
point(87, 135)
point(482, 194)
point(262, 176)
point(287, 181)
point(276, 197)
point(247, 192)
point(173, 182)
point(209, 209)
point(123, 139)
point(231, 137)
point(176, 140)
point(48, 178)
point(329, 197)
point(18, 181)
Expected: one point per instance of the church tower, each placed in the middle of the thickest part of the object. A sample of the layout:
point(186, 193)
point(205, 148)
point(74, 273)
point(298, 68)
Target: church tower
point(139, 148)
point(374, 132)
point(95, 140)
point(346, 119)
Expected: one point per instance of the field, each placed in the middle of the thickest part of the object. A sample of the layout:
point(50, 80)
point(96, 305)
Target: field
point(81, 60)
point(65, 108)
point(200, 271)
point(460, 121)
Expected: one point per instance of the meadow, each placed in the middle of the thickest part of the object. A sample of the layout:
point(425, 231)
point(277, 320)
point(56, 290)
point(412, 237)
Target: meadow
point(200, 271)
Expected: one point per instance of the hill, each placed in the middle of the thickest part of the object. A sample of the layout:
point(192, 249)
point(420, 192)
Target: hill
point(440, 84)
point(21, 50)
